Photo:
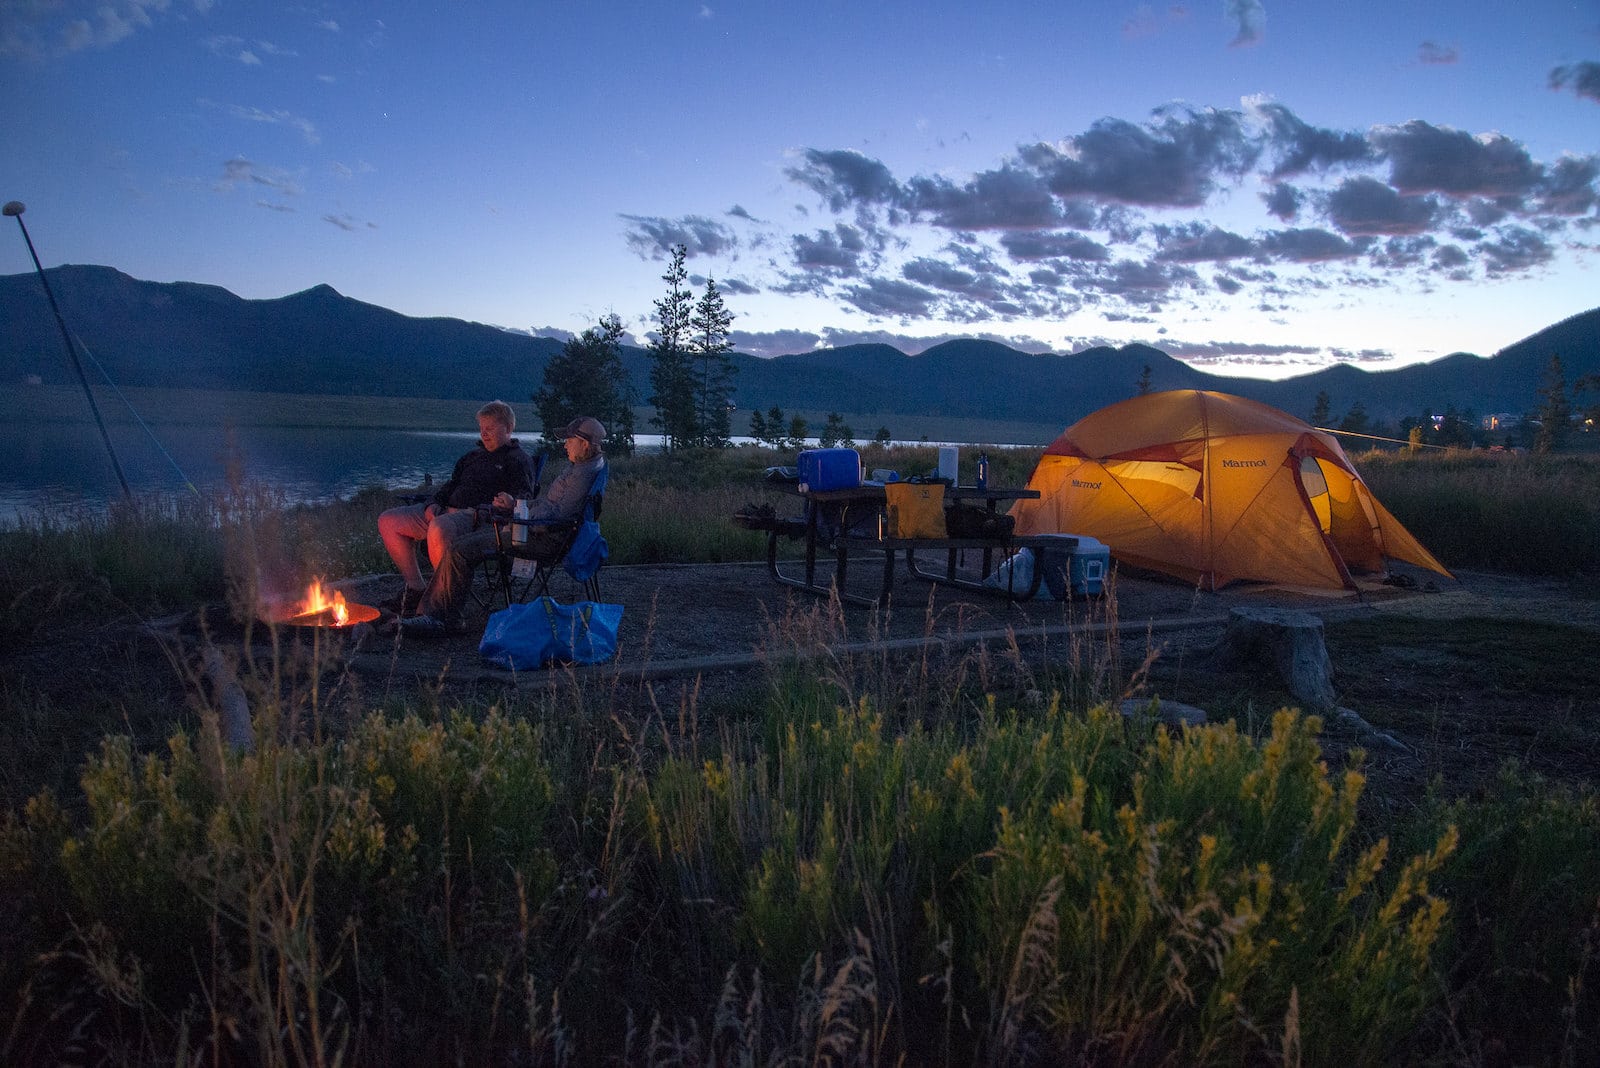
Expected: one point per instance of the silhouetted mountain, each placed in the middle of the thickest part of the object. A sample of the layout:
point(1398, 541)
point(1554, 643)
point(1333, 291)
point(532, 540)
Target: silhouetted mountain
point(317, 341)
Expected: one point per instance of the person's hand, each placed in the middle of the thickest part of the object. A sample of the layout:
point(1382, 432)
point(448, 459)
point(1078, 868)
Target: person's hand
point(504, 501)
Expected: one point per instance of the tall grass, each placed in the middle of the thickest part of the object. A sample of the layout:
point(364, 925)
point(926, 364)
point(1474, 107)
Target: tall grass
point(1513, 512)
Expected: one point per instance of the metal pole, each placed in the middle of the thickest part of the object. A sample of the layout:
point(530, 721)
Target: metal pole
point(15, 209)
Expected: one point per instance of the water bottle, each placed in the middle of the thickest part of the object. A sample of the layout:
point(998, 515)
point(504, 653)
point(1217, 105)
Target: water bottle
point(983, 470)
point(519, 533)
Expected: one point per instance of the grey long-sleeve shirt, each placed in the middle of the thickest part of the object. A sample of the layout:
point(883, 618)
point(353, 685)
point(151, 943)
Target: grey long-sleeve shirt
point(565, 496)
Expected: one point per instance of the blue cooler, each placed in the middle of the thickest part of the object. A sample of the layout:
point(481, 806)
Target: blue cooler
point(1075, 569)
point(828, 469)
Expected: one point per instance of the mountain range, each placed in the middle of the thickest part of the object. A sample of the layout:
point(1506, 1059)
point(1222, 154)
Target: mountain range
point(321, 342)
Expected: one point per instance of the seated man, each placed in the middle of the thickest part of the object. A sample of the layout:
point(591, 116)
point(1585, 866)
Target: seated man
point(561, 502)
point(449, 521)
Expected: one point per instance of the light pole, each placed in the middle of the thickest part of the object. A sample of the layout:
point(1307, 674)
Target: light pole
point(15, 209)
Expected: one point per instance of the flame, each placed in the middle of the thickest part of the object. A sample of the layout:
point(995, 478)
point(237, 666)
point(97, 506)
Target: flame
point(317, 601)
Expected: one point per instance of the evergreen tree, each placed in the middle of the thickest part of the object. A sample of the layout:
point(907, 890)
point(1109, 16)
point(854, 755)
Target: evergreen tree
point(1355, 421)
point(768, 428)
point(713, 370)
point(882, 437)
point(1143, 385)
point(797, 432)
point(836, 433)
point(1322, 410)
point(586, 378)
point(1555, 409)
point(671, 377)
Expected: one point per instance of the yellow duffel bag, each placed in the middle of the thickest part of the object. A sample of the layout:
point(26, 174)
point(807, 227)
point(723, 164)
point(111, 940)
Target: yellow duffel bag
point(916, 509)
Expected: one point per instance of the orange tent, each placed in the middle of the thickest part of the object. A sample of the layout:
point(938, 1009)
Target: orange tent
point(1213, 488)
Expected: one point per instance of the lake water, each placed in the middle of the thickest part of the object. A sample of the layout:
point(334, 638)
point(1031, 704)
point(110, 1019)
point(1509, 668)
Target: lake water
point(56, 466)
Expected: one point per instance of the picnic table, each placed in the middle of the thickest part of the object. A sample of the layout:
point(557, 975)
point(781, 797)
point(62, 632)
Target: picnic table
point(849, 522)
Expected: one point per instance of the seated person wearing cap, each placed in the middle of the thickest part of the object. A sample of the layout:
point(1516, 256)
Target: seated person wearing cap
point(562, 501)
point(450, 520)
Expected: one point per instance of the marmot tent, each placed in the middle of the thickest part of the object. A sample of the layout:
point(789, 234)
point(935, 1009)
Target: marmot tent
point(1213, 488)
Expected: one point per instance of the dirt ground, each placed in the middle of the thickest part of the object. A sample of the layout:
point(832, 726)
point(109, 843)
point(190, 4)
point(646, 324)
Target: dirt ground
point(1411, 661)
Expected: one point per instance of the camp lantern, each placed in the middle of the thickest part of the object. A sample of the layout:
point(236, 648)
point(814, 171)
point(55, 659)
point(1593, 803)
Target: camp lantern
point(1212, 489)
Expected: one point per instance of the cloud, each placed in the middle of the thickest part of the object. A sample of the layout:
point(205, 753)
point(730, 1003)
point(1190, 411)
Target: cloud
point(737, 287)
point(239, 169)
point(1306, 246)
point(1033, 245)
point(1283, 200)
point(47, 29)
point(841, 251)
point(1516, 249)
point(1432, 54)
point(1198, 242)
point(884, 296)
point(773, 342)
point(347, 223)
point(331, 25)
point(279, 117)
point(1437, 159)
point(652, 237)
point(1368, 206)
point(1249, 19)
point(845, 177)
point(1119, 217)
point(1583, 77)
point(1174, 161)
point(1569, 188)
point(1007, 198)
point(1300, 147)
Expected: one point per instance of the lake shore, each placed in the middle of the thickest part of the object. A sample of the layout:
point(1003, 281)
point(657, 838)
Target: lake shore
point(222, 408)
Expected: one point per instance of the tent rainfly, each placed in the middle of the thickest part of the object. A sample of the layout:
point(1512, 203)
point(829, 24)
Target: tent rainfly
point(1213, 488)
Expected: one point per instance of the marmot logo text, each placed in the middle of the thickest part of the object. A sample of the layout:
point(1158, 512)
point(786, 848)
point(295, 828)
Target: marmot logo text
point(1085, 485)
point(1244, 463)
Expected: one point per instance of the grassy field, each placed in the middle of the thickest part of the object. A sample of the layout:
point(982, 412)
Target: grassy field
point(874, 863)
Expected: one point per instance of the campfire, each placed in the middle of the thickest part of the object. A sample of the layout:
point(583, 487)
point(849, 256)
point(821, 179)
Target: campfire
point(323, 606)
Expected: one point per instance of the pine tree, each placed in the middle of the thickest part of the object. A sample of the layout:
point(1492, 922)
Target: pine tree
point(836, 433)
point(797, 432)
point(1555, 410)
point(671, 377)
point(1355, 421)
point(713, 370)
point(586, 378)
point(1143, 385)
point(1322, 410)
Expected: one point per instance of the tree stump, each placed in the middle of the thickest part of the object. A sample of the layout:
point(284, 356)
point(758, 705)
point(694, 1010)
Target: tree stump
point(1290, 641)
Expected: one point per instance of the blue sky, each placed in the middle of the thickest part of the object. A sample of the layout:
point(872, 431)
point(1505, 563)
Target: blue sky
point(1255, 186)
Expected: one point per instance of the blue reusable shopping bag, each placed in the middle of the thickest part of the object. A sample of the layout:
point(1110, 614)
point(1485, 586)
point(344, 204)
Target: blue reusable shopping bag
point(526, 637)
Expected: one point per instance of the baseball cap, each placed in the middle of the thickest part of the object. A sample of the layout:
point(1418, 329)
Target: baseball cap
point(588, 428)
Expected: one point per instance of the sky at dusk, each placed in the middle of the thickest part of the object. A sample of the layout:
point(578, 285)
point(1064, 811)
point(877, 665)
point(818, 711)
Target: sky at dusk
point(1255, 186)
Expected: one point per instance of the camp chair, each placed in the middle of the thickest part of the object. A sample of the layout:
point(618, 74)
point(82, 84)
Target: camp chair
point(586, 572)
point(494, 566)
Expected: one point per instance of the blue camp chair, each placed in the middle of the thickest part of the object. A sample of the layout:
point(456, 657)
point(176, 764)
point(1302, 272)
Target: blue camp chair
point(580, 552)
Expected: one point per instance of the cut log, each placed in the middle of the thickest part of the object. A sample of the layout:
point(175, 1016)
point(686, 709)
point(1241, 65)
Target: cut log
point(1290, 641)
